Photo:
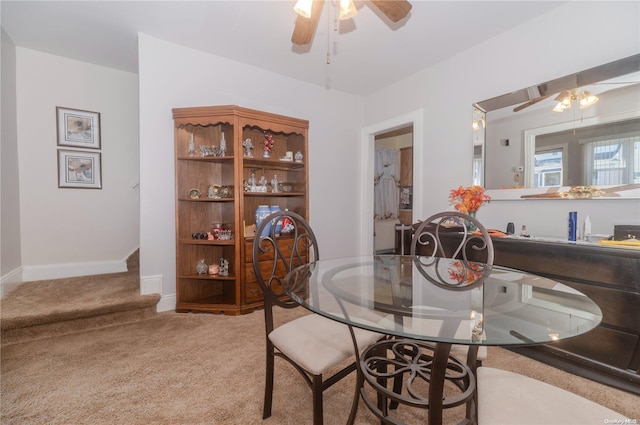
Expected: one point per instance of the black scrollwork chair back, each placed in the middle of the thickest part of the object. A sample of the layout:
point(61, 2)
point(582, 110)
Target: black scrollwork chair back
point(312, 344)
point(453, 234)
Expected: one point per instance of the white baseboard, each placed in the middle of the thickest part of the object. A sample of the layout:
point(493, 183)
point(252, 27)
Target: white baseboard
point(10, 281)
point(150, 285)
point(167, 303)
point(153, 285)
point(58, 271)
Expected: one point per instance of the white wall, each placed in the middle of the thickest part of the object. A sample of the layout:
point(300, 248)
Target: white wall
point(67, 232)
point(172, 76)
point(529, 54)
point(10, 247)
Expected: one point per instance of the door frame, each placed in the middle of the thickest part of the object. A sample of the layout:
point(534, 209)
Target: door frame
point(369, 133)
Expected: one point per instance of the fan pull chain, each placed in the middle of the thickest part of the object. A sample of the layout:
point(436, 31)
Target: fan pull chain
point(329, 36)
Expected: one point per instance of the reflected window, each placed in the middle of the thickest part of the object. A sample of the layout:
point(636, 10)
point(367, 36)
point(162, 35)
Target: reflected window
point(478, 159)
point(548, 168)
point(613, 162)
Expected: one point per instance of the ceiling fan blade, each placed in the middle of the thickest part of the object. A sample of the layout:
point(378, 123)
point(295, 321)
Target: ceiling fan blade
point(529, 103)
point(563, 94)
point(306, 27)
point(393, 9)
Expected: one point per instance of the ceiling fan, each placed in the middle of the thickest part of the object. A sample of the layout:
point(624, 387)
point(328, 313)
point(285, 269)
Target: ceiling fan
point(309, 14)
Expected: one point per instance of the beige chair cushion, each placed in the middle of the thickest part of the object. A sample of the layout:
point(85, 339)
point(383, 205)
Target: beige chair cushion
point(317, 343)
point(507, 398)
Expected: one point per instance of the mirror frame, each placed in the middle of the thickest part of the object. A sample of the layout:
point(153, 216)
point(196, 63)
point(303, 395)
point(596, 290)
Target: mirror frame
point(589, 76)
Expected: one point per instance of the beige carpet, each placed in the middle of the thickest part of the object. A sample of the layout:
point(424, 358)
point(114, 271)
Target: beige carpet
point(197, 369)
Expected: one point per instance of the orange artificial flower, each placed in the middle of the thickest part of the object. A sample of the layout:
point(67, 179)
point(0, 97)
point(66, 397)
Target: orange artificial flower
point(468, 199)
point(468, 275)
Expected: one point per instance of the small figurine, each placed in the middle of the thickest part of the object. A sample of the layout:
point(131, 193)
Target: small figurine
point(263, 184)
point(212, 192)
point(252, 183)
point(247, 145)
point(224, 267)
point(274, 184)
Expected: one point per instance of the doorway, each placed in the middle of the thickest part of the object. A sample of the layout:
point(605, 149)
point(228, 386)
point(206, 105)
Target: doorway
point(414, 122)
point(392, 187)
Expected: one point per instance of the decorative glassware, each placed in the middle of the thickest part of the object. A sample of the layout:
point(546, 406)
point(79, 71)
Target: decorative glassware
point(223, 146)
point(201, 267)
point(191, 146)
point(470, 225)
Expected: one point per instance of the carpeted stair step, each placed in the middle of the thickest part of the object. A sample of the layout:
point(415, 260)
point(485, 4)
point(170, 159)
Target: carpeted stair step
point(54, 307)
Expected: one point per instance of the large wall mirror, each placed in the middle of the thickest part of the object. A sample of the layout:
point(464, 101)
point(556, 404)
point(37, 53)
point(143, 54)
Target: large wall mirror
point(579, 130)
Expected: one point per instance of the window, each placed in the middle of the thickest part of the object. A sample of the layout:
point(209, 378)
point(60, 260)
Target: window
point(548, 168)
point(613, 161)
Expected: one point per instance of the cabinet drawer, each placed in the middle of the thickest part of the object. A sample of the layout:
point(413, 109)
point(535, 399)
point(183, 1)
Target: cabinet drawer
point(252, 293)
point(265, 269)
point(604, 345)
point(285, 244)
point(617, 306)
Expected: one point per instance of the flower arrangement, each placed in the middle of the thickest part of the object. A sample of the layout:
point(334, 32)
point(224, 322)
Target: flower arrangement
point(467, 274)
point(267, 143)
point(468, 199)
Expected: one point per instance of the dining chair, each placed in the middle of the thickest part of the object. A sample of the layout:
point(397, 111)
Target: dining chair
point(473, 244)
point(312, 344)
point(469, 241)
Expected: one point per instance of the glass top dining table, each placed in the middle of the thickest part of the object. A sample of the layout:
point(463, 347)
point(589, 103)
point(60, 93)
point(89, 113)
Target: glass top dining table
point(442, 302)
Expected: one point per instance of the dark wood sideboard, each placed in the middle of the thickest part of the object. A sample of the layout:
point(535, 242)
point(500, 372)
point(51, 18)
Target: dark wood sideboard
point(610, 276)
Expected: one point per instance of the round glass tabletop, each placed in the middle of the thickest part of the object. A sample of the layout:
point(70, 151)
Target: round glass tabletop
point(443, 300)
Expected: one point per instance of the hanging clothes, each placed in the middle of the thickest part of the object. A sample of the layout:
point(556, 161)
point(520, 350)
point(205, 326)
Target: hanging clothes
point(386, 179)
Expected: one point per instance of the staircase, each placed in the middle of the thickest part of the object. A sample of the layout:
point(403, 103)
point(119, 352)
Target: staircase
point(47, 308)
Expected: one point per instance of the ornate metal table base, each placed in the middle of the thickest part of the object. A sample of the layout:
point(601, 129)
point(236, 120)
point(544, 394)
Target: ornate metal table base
point(419, 370)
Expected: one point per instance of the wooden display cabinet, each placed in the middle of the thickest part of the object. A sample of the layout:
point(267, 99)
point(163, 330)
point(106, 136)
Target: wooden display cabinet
point(238, 292)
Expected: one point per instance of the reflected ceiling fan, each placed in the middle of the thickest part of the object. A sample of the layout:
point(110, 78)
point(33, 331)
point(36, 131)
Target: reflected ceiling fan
point(571, 88)
point(309, 14)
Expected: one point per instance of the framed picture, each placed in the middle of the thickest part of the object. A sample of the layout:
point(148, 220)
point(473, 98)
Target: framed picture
point(79, 169)
point(78, 128)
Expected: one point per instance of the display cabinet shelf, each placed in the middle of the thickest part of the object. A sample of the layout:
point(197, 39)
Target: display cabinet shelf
point(271, 194)
point(207, 242)
point(208, 277)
